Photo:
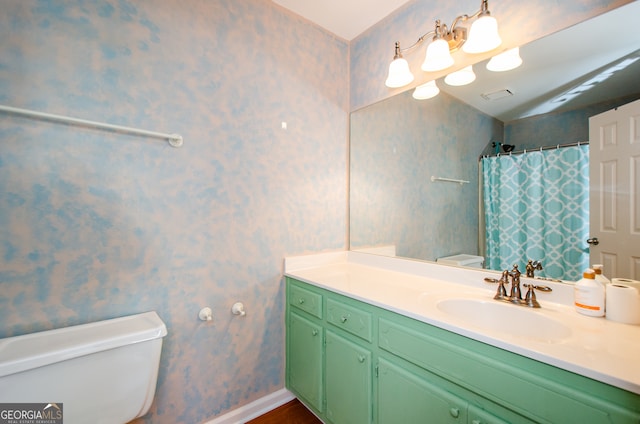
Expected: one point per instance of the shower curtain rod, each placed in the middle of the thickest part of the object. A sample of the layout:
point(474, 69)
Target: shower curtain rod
point(538, 149)
point(174, 140)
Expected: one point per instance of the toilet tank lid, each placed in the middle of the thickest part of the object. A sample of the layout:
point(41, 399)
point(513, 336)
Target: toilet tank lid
point(34, 350)
point(462, 259)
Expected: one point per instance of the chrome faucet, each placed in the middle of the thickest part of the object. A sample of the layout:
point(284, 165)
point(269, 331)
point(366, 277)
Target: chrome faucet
point(515, 295)
point(531, 268)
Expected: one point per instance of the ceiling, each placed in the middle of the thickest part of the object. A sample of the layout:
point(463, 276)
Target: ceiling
point(584, 64)
point(558, 71)
point(345, 18)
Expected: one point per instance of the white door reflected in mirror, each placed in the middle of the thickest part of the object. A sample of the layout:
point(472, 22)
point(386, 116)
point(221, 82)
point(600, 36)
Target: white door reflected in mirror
point(614, 168)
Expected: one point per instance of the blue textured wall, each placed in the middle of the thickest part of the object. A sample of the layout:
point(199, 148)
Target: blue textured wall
point(95, 225)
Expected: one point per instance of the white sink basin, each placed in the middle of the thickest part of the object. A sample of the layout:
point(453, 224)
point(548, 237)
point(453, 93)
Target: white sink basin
point(509, 319)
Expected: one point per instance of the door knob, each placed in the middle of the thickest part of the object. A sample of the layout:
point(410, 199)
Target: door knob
point(594, 241)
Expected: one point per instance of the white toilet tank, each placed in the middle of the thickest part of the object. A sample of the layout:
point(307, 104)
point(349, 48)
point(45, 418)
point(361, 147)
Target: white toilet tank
point(101, 372)
point(472, 261)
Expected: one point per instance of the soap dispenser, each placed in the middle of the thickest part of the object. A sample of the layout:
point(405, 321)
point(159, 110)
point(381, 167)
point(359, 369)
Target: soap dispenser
point(599, 275)
point(589, 295)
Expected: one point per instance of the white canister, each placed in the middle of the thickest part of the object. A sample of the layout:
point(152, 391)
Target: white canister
point(623, 301)
point(589, 295)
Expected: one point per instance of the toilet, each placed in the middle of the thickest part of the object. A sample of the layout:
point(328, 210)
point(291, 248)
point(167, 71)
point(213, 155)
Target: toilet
point(472, 261)
point(101, 372)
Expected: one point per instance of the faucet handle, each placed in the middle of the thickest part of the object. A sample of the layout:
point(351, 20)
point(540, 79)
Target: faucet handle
point(539, 288)
point(530, 298)
point(501, 293)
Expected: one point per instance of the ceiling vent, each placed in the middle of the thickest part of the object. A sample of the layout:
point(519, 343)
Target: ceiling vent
point(497, 95)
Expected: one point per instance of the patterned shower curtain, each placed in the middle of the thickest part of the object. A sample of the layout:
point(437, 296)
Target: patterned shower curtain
point(536, 207)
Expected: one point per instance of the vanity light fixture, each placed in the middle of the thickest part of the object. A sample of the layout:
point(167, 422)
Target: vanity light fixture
point(462, 77)
point(399, 73)
point(482, 37)
point(505, 61)
point(426, 91)
point(438, 52)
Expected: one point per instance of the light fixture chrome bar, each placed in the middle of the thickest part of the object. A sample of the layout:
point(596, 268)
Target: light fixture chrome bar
point(449, 180)
point(455, 36)
point(414, 45)
point(174, 140)
point(484, 10)
point(481, 37)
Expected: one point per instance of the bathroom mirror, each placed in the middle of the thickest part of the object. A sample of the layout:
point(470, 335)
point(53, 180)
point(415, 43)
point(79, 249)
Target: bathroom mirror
point(403, 150)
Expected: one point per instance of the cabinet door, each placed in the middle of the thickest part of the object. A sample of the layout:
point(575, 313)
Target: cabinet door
point(404, 397)
point(348, 381)
point(305, 359)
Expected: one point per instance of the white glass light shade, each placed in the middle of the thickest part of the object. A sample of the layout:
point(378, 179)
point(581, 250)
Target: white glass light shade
point(438, 56)
point(505, 61)
point(483, 35)
point(462, 77)
point(399, 74)
point(426, 91)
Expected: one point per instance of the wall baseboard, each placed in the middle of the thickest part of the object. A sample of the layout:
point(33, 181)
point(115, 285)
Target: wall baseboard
point(255, 409)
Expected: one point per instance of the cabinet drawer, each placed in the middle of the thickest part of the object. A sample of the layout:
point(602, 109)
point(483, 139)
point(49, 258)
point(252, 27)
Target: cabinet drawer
point(542, 396)
point(350, 319)
point(306, 300)
point(407, 397)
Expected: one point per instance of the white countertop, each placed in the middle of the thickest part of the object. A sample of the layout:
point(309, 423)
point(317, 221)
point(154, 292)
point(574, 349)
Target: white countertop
point(603, 350)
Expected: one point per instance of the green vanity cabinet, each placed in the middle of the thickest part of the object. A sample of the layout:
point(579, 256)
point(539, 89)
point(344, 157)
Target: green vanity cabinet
point(348, 381)
point(354, 363)
point(519, 389)
point(410, 395)
point(348, 366)
point(404, 397)
point(305, 359)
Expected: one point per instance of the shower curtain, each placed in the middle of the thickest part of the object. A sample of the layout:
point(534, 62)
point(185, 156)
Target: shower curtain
point(536, 206)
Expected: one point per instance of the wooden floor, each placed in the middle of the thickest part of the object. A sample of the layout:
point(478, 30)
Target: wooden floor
point(290, 413)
